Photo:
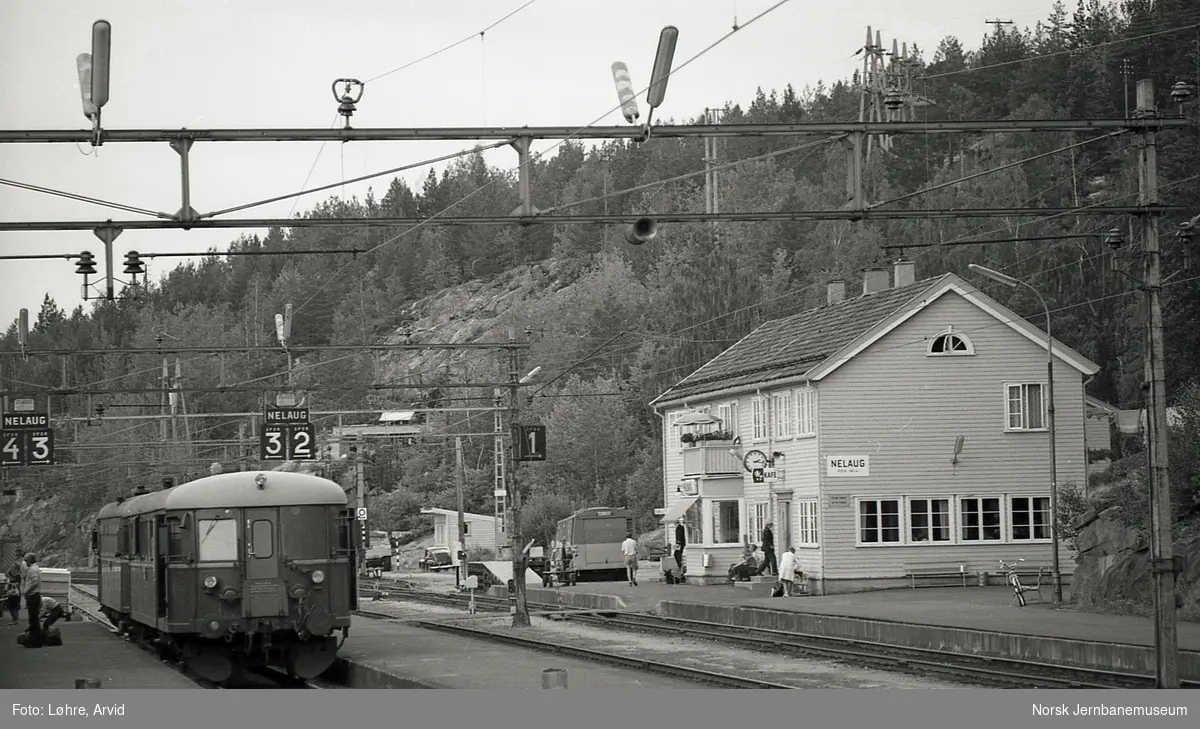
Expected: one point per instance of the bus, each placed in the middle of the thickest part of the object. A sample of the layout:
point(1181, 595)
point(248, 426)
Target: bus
point(587, 546)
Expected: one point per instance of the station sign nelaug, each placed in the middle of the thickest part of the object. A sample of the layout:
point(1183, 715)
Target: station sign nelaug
point(847, 465)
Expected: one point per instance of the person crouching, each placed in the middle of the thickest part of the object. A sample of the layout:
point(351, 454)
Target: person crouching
point(52, 612)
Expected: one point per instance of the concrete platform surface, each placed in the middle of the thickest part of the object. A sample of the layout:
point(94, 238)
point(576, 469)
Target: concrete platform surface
point(387, 654)
point(973, 608)
point(88, 651)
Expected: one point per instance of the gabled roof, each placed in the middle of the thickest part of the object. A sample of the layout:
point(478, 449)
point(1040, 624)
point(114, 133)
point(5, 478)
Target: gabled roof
point(812, 344)
point(451, 512)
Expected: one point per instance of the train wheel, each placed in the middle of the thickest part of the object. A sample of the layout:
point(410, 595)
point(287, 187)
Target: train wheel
point(309, 665)
point(212, 665)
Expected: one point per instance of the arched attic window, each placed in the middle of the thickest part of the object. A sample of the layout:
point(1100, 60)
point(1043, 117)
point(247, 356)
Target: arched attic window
point(950, 343)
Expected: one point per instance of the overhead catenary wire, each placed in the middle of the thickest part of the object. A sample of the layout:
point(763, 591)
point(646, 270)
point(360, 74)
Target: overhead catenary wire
point(83, 198)
point(488, 184)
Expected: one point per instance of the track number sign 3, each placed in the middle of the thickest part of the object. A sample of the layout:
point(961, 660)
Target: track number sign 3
point(287, 436)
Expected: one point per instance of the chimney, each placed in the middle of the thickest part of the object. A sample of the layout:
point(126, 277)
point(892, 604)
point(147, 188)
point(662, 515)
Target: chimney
point(835, 291)
point(905, 273)
point(875, 280)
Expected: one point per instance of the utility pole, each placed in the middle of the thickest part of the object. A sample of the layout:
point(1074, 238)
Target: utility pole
point(360, 488)
point(1162, 564)
point(499, 489)
point(997, 23)
point(521, 613)
point(461, 575)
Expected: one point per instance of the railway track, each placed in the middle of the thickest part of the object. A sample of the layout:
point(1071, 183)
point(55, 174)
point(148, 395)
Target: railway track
point(247, 678)
point(992, 671)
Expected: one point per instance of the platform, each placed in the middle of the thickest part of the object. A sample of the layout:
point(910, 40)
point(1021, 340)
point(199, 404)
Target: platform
point(88, 651)
point(977, 620)
point(385, 654)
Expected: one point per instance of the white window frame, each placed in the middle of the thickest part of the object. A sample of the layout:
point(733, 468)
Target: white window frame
point(958, 520)
point(760, 409)
point(805, 400)
point(728, 413)
point(759, 519)
point(783, 415)
point(949, 332)
point(878, 501)
point(715, 523)
point(1012, 526)
point(807, 523)
point(961, 521)
point(1023, 427)
point(910, 501)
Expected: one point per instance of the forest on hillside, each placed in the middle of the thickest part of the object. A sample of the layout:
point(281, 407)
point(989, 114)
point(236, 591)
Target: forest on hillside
point(671, 304)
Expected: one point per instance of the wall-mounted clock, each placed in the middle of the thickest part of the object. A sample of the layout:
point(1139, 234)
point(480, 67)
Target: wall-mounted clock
point(755, 459)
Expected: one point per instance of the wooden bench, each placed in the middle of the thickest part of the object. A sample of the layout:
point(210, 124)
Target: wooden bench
point(1024, 577)
point(942, 569)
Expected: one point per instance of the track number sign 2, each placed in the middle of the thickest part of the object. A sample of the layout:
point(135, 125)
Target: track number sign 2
point(287, 436)
point(26, 439)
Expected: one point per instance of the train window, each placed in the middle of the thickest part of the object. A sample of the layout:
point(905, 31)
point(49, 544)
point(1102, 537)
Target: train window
point(262, 539)
point(217, 540)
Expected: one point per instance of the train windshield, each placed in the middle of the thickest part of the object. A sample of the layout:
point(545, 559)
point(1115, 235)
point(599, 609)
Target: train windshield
point(218, 540)
point(604, 531)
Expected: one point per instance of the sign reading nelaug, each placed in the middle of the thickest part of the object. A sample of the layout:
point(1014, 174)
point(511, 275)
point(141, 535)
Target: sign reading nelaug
point(847, 465)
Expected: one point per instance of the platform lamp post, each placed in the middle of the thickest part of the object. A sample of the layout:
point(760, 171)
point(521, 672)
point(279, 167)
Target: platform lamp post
point(1013, 283)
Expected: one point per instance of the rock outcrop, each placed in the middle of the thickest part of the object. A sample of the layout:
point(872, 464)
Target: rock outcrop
point(1112, 573)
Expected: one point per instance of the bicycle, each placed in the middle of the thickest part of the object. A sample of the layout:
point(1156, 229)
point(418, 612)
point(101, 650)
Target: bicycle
point(1014, 580)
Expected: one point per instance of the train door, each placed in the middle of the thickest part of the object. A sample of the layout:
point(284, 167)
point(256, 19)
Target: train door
point(263, 589)
point(162, 550)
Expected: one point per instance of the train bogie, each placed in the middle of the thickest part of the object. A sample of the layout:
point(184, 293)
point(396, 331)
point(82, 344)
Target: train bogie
point(238, 569)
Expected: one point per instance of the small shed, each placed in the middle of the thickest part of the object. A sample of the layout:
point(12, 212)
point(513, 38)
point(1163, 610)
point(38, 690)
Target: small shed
point(480, 530)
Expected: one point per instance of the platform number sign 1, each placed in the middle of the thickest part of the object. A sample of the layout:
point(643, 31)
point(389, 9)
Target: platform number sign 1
point(531, 442)
point(26, 439)
point(287, 435)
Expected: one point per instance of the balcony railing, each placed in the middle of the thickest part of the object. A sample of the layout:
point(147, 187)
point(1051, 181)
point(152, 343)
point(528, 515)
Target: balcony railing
point(710, 458)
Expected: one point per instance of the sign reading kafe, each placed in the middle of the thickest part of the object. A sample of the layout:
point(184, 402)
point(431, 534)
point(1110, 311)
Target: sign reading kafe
point(847, 465)
point(26, 439)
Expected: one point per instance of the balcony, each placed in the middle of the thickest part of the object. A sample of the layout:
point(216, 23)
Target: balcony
point(710, 458)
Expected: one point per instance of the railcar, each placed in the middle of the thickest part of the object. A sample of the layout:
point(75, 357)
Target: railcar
point(236, 569)
point(587, 546)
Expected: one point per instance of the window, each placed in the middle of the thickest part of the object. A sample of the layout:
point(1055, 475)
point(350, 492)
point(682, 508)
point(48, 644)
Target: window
point(762, 515)
point(500, 516)
point(218, 540)
point(879, 521)
point(806, 515)
point(1026, 407)
point(781, 409)
point(950, 343)
point(691, 523)
point(262, 539)
point(758, 407)
point(726, 518)
point(728, 413)
point(980, 519)
point(929, 520)
point(1029, 518)
point(806, 412)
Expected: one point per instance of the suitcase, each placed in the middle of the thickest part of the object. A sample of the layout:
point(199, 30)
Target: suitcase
point(50, 638)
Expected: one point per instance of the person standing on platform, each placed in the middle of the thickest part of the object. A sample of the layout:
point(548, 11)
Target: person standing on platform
point(768, 548)
point(680, 543)
point(31, 588)
point(629, 549)
point(12, 593)
point(787, 571)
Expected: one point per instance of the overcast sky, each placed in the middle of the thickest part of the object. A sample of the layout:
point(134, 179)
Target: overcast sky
point(256, 63)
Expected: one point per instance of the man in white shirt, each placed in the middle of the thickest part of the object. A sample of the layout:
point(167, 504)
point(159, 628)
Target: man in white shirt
point(787, 571)
point(629, 549)
point(31, 588)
